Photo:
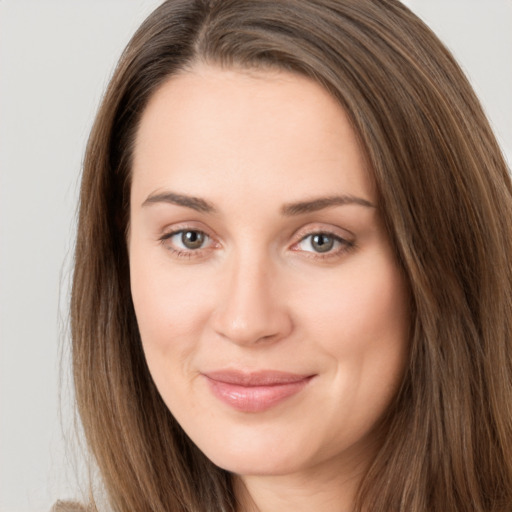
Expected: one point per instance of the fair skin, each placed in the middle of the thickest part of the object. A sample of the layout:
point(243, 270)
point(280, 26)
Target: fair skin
point(273, 315)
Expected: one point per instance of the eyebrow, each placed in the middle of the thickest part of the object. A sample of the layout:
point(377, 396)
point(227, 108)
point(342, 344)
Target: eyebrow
point(323, 202)
point(290, 209)
point(195, 203)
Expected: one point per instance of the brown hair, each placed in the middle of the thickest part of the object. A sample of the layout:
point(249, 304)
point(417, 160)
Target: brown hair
point(445, 196)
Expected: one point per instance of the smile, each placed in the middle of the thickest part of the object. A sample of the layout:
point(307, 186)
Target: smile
point(255, 392)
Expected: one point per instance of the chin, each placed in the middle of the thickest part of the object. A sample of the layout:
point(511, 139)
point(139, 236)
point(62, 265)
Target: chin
point(256, 456)
point(256, 465)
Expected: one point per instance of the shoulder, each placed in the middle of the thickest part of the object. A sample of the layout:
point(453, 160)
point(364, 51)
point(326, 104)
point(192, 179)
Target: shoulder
point(68, 506)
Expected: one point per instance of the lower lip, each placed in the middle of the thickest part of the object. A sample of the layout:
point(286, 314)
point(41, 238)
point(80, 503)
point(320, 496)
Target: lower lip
point(255, 398)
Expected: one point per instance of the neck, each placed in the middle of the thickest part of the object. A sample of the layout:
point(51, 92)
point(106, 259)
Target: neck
point(327, 489)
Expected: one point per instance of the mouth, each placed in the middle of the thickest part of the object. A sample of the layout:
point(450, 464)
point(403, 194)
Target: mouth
point(255, 391)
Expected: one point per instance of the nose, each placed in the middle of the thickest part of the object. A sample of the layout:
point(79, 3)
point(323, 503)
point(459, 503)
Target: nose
point(251, 309)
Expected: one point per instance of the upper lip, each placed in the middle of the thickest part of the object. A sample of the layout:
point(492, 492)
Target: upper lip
point(256, 378)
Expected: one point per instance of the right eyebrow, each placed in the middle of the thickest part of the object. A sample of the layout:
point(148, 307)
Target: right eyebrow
point(195, 203)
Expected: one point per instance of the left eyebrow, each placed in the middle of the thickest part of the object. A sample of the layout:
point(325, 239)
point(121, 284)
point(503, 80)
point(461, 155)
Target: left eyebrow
point(323, 202)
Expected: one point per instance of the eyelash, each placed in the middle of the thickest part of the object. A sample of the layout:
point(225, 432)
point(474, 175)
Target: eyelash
point(184, 253)
point(344, 245)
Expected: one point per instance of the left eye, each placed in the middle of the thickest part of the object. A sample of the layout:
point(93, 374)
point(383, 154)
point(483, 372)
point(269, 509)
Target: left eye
point(188, 239)
point(320, 243)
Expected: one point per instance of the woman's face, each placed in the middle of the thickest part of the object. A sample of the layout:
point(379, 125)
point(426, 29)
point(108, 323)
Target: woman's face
point(273, 315)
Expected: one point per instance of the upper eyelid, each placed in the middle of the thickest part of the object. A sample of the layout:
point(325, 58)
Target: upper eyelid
point(171, 229)
point(326, 233)
point(308, 230)
point(342, 241)
point(174, 232)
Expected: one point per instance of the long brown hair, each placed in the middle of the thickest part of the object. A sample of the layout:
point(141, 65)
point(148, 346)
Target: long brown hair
point(446, 199)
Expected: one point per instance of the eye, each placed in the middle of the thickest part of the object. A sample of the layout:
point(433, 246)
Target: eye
point(323, 244)
point(186, 241)
point(319, 242)
point(190, 239)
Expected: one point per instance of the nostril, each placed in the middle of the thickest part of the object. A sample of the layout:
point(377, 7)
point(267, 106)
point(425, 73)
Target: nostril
point(249, 325)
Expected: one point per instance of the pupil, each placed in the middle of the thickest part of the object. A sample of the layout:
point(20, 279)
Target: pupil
point(192, 239)
point(322, 243)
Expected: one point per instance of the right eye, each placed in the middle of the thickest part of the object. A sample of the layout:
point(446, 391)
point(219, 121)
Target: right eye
point(186, 241)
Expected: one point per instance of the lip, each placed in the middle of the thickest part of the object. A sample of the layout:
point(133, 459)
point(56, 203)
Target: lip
point(255, 391)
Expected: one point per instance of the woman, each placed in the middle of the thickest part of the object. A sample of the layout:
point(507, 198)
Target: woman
point(292, 282)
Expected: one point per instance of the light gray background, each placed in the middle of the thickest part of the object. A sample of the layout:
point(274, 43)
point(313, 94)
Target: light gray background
point(55, 59)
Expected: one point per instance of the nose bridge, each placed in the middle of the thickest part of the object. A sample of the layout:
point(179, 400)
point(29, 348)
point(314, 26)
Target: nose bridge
point(251, 309)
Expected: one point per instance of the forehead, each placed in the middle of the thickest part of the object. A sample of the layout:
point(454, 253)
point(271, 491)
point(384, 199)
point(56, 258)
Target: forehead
point(259, 129)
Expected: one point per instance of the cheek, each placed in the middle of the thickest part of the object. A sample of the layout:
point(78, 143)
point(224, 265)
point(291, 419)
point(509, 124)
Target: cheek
point(364, 329)
point(168, 305)
point(361, 320)
point(364, 305)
